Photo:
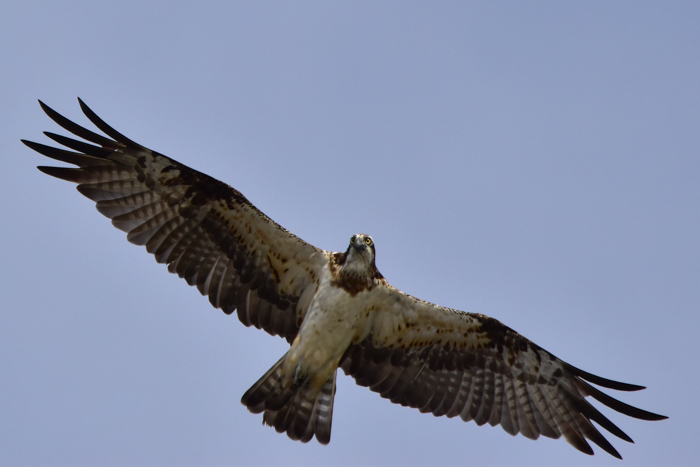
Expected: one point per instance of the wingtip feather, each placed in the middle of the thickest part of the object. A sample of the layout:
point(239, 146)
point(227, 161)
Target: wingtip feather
point(604, 382)
point(78, 130)
point(64, 173)
point(105, 128)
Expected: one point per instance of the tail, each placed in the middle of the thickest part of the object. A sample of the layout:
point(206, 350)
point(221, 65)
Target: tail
point(295, 408)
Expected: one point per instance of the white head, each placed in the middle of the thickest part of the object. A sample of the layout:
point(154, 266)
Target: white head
point(360, 255)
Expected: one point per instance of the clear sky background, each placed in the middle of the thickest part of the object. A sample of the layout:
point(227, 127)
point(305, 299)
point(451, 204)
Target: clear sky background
point(536, 162)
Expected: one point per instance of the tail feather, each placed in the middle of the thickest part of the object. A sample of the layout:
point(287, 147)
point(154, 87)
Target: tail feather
point(268, 388)
point(299, 410)
point(323, 411)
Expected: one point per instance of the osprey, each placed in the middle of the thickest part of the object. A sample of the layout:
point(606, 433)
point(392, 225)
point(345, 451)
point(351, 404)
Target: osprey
point(334, 308)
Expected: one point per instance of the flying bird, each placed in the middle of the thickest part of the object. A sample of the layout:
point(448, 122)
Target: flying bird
point(335, 309)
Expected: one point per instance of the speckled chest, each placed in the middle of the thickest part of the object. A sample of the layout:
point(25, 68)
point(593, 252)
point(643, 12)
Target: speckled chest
point(335, 317)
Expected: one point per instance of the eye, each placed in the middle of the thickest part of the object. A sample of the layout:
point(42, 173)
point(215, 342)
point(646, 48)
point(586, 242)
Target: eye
point(352, 240)
point(368, 241)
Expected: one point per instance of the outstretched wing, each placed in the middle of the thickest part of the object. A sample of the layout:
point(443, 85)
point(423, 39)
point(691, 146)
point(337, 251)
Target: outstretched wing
point(448, 362)
point(204, 230)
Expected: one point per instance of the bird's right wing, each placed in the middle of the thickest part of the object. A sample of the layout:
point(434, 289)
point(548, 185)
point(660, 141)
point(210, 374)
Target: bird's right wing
point(204, 230)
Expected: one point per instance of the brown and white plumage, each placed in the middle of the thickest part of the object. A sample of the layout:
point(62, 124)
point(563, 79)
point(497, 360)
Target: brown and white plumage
point(335, 309)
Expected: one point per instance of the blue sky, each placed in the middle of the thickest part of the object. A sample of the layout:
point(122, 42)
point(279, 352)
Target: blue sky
point(533, 161)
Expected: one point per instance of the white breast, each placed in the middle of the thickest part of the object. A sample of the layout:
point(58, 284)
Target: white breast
point(330, 325)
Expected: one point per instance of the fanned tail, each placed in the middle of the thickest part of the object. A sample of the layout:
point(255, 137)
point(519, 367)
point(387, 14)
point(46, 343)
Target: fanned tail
point(295, 408)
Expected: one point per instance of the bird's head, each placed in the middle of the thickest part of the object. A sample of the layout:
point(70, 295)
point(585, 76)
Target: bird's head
point(359, 257)
point(355, 270)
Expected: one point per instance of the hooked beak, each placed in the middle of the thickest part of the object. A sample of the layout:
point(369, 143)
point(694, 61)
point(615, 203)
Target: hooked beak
point(359, 244)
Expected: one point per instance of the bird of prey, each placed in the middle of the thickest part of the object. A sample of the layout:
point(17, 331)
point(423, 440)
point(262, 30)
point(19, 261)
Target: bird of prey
point(334, 308)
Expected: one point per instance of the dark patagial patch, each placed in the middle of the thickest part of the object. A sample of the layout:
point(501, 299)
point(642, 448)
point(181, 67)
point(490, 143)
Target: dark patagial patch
point(502, 336)
point(203, 188)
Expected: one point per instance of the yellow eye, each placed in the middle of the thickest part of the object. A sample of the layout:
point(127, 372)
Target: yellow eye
point(368, 240)
point(352, 240)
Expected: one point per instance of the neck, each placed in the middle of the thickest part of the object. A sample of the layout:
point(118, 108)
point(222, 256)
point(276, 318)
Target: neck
point(354, 276)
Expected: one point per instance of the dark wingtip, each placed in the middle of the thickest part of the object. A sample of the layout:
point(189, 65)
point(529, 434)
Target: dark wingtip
point(606, 383)
point(619, 406)
point(105, 128)
point(48, 170)
point(84, 106)
point(76, 129)
point(50, 112)
point(89, 113)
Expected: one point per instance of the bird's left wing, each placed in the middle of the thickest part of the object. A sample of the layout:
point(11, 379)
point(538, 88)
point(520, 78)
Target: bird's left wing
point(448, 362)
point(204, 230)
